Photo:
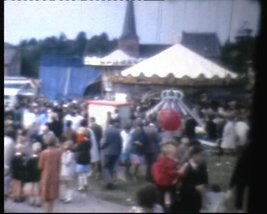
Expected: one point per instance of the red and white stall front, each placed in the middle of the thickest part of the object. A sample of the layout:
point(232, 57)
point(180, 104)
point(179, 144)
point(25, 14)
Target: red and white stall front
point(100, 108)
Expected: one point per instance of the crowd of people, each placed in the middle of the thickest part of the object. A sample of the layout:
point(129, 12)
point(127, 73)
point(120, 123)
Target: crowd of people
point(54, 146)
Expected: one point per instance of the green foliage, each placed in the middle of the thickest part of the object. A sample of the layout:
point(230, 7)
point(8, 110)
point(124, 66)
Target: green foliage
point(32, 50)
point(236, 56)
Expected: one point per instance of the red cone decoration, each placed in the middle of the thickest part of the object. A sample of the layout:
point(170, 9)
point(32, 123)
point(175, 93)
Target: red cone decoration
point(170, 119)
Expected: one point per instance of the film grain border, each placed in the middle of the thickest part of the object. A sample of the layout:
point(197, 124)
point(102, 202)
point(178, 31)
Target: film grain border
point(84, 0)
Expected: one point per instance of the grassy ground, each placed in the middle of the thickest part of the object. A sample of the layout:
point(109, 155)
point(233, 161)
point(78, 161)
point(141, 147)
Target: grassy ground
point(219, 170)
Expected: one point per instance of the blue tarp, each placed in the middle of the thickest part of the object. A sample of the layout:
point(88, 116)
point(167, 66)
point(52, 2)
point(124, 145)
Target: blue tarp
point(63, 78)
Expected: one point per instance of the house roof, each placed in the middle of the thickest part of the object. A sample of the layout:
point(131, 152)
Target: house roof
point(180, 62)
point(129, 29)
point(205, 44)
point(7, 45)
point(9, 54)
point(149, 50)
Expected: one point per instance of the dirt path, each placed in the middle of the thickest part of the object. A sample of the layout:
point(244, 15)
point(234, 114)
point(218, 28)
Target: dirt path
point(80, 204)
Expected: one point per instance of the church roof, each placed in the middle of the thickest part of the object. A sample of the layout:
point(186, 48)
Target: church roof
point(149, 50)
point(205, 44)
point(9, 53)
point(129, 29)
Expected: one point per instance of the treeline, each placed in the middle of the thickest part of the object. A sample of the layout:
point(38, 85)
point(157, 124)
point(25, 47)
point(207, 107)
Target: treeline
point(32, 50)
point(235, 56)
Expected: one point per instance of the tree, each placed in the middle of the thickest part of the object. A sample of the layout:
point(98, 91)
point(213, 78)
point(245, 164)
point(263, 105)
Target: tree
point(100, 45)
point(32, 42)
point(62, 37)
point(32, 50)
point(237, 55)
point(23, 43)
point(81, 41)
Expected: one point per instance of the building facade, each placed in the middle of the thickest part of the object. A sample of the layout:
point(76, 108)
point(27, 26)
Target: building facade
point(12, 61)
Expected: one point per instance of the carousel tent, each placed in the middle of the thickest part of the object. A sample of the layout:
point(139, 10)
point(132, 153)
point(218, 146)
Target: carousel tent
point(180, 62)
point(116, 58)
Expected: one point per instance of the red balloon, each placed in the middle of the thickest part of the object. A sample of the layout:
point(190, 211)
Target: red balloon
point(170, 119)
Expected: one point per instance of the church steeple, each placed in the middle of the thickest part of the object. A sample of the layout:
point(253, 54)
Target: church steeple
point(129, 30)
point(129, 41)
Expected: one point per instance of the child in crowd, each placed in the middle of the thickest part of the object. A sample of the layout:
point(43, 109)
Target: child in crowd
point(138, 140)
point(183, 149)
point(18, 171)
point(33, 175)
point(83, 157)
point(67, 172)
point(167, 175)
point(194, 182)
point(147, 200)
point(125, 156)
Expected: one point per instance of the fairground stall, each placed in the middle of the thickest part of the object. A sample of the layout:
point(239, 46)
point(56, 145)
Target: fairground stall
point(100, 109)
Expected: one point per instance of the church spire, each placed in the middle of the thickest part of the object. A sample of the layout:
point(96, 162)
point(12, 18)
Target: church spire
point(129, 41)
point(129, 30)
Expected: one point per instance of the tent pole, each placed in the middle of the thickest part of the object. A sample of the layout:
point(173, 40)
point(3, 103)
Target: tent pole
point(67, 82)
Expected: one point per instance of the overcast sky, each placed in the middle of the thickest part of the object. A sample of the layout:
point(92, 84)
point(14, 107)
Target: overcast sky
point(39, 19)
point(158, 22)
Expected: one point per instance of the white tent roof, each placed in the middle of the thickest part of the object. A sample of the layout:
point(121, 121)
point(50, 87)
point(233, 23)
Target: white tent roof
point(118, 54)
point(11, 91)
point(179, 61)
point(117, 57)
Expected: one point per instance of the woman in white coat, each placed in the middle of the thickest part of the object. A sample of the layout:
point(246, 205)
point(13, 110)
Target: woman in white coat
point(67, 172)
point(229, 137)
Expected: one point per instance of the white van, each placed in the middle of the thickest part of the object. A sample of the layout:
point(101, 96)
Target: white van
point(10, 96)
point(13, 86)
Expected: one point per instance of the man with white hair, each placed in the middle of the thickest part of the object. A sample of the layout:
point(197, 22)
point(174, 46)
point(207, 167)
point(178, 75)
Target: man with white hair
point(46, 133)
point(29, 119)
point(77, 119)
point(42, 119)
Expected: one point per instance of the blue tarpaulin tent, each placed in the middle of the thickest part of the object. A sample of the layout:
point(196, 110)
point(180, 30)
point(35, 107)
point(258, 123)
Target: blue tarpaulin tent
point(65, 77)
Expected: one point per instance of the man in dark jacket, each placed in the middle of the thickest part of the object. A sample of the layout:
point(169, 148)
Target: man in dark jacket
point(56, 126)
point(151, 148)
point(98, 135)
point(241, 178)
point(112, 146)
point(211, 128)
point(190, 125)
point(194, 182)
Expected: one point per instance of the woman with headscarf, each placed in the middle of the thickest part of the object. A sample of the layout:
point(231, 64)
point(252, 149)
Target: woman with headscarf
point(49, 164)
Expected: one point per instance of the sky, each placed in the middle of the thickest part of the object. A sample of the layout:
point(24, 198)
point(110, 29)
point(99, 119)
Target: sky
point(157, 22)
point(39, 19)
